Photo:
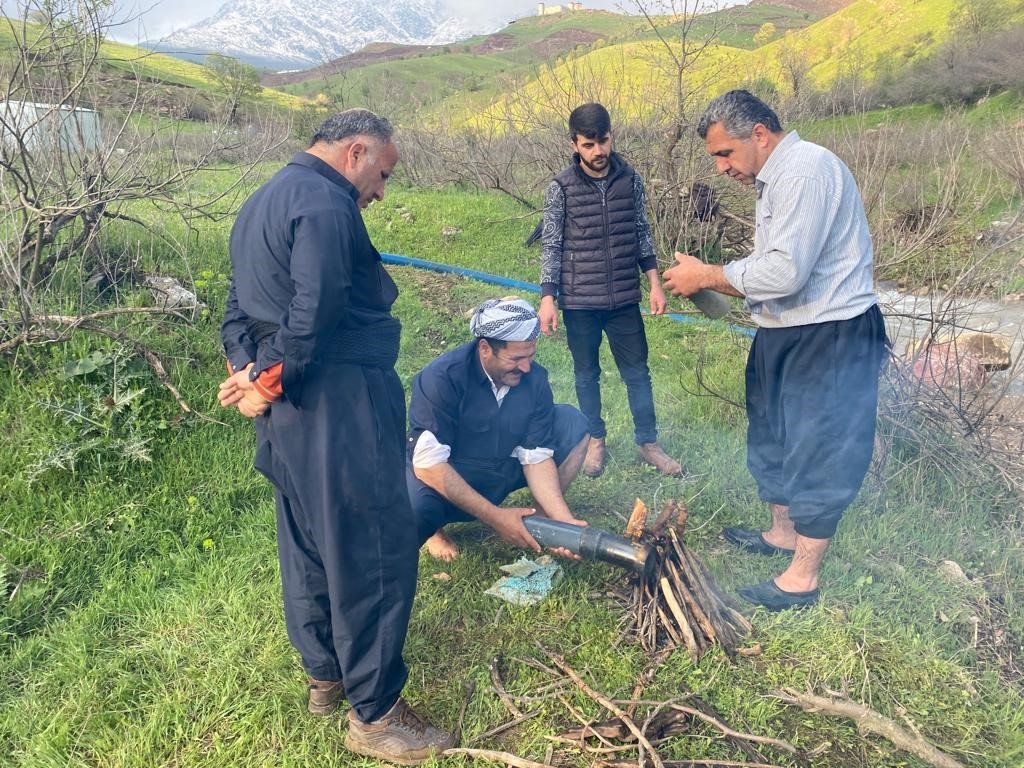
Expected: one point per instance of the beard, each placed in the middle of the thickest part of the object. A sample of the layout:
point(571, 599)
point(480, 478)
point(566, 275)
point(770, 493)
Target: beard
point(597, 165)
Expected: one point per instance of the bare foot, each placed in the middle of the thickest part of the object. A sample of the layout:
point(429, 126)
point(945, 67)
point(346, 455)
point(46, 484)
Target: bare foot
point(440, 547)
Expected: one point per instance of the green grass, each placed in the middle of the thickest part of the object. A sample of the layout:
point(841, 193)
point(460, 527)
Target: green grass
point(140, 619)
point(146, 66)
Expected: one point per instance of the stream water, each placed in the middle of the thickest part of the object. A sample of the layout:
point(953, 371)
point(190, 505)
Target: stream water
point(909, 318)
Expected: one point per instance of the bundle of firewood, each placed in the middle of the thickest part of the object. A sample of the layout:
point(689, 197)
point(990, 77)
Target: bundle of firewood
point(677, 604)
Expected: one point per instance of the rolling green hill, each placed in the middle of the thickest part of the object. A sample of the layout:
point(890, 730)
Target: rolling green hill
point(467, 76)
point(866, 37)
point(119, 60)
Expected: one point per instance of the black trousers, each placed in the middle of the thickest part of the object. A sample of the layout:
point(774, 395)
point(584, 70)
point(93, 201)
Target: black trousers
point(494, 479)
point(812, 394)
point(628, 341)
point(345, 530)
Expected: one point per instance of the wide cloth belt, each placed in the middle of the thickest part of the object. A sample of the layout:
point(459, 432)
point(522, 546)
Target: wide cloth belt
point(375, 345)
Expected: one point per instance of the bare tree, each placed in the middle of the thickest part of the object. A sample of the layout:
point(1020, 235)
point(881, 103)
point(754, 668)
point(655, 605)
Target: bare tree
point(82, 144)
point(237, 80)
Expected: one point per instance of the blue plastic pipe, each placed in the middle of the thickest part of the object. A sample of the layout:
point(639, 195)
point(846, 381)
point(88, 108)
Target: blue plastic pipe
point(519, 285)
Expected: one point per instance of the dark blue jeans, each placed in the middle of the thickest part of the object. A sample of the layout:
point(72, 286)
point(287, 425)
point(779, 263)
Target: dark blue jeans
point(628, 341)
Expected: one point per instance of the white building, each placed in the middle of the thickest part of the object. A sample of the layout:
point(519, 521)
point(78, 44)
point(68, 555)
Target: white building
point(37, 125)
point(548, 10)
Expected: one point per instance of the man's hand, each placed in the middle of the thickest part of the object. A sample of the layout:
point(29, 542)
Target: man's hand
point(548, 315)
point(687, 276)
point(252, 404)
point(508, 524)
point(234, 387)
point(657, 298)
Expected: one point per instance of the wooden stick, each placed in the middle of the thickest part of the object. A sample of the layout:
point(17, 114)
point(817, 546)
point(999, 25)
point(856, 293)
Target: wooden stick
point(470, 689)
point(670, 629)
point(503, 727)
point(684, 625)
point(637, 520)
point(709, 763)
point(783, 745)
point(681, 517)
point(745, 746)
point(496, 757)
point(607, 704)
point(869, 721)
point(499, 688)
point(692, 604)
point(667, 510)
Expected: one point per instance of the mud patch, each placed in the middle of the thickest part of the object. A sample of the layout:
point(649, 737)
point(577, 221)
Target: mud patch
point(434, 292)
point(563, 41)
point(496, 43)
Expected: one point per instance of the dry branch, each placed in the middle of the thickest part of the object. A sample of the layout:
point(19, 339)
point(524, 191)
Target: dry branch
point(869, 721)
point(499, 688)
point(609, 705)
point(688, 764)
point(495, 757)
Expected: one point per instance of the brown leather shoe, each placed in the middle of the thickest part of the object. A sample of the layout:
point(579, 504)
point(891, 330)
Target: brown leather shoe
point(325, 695)
point(653, 454)
point(401, 736)
point(593, 464)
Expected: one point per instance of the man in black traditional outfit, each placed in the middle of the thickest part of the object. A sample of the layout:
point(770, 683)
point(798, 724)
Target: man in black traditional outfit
point(311, 346)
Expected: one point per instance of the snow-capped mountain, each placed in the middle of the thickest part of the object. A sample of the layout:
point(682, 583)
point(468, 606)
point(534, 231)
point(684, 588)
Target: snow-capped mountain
point(297, 34)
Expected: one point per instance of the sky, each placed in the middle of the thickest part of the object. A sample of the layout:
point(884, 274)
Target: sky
point(153, 19)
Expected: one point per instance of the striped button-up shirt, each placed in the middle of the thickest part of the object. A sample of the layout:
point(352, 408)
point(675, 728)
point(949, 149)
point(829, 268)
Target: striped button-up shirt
point(812, 257)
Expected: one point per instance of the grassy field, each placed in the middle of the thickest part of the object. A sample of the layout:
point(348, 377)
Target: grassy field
point(140, 618)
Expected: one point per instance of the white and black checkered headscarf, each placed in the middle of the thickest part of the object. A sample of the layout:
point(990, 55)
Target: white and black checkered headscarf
point(508, 319)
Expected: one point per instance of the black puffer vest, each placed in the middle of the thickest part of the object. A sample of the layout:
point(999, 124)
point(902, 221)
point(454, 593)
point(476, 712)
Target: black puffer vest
point(600, 247)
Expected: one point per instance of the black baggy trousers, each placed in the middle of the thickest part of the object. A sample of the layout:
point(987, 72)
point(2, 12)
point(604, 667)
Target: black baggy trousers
point(812, 394)
point(345, 529)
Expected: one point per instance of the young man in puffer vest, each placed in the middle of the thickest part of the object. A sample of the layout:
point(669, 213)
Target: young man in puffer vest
point(596, 243)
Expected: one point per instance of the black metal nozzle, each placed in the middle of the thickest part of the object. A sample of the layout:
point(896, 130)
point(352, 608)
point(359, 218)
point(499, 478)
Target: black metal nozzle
point(590, 543)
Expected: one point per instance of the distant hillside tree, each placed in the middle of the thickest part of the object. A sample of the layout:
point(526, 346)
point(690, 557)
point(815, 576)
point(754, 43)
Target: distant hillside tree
point(977, 18)
point(237, 81)
point(764, 33)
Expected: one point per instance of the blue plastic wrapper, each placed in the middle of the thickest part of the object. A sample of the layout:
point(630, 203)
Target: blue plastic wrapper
point(528, 581)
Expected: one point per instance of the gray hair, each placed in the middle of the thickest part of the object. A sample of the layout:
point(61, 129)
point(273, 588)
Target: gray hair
point(353, 122)
point(738, 111)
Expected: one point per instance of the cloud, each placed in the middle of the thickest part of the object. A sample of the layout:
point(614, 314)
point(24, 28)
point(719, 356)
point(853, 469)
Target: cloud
point(152, 19)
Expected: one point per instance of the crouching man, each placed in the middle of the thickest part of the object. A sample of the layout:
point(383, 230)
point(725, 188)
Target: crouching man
point(483, 424)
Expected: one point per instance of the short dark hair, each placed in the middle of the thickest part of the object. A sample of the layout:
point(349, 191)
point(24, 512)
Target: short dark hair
point(495, 344)
point(591, 121)
point(738, 111)
point(353, 122)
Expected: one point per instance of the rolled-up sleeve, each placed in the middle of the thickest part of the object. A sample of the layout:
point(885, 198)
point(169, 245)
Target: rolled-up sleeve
point(234, 334)
point(433, 408)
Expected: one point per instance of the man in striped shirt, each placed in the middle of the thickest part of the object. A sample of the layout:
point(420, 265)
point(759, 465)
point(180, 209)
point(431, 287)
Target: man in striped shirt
point(812, 371)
